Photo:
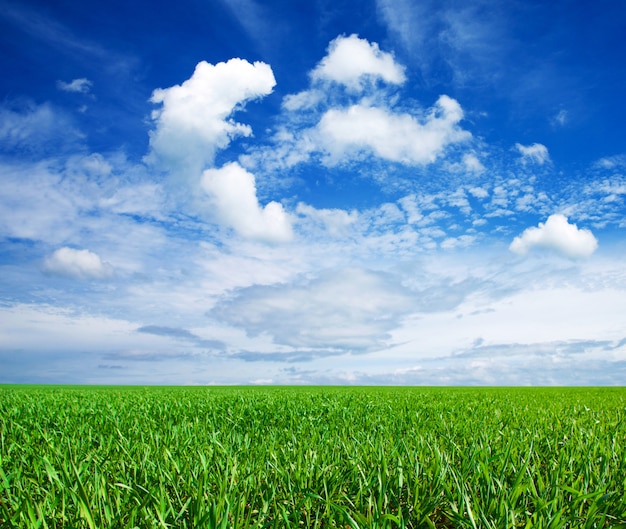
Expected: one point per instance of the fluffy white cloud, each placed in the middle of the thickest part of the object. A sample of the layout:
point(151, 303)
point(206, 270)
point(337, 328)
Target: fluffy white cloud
point(232, 191)
point(558, 235)
point(324, 120)
point(396, 137)
point(81, 264)
point(351, 61)
point(81, 86)
point(194, 121)
point(536, 153)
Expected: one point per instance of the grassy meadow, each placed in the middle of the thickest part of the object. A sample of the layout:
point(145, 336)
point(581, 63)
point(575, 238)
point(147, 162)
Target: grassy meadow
point(99, 457)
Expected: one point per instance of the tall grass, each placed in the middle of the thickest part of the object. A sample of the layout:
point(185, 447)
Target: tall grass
point(312, 457)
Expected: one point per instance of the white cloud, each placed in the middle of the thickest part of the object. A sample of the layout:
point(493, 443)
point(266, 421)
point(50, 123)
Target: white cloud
point(72, 202)
point(36, 203)
point(557, 235)
point(194, 120)
point(458, 199)
point(395, 137)
point(561, 118)
point(342, 127)
point(232, 191)
point(35, 128)
point(411, 208)
point(461, 241)
point(81, 86)
point(479, 192)
point(350, 309)
point(351, 61)
point(42, 327)
point(336, 222)
point(92, 167)
point(469, 164)
point(536, 153)
point(81, 264)
point(304, 100)
point(611, 162)
point(473, 164)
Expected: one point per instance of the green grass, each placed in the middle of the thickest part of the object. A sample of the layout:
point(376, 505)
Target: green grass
point(312, 457)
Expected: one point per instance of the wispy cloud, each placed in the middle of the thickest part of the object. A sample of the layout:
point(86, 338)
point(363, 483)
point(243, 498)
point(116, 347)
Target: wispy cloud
point(178, 333)
point(40, 25)
point(535, 153)
point(80, 86)
point(468, 44)
point(561, 118)
point(40, 130)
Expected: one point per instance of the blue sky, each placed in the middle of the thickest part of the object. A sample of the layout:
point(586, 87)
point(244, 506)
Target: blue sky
point(379, 192)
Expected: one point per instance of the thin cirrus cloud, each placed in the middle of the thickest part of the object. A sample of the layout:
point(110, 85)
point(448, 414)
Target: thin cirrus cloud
point(556, 235)
point(34, 128)
point(464, 43)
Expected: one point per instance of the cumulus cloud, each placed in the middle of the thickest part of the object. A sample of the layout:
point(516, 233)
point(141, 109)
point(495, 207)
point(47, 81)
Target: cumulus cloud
point(194, 119)
point(395, 137)
point(535, 153)
point(351, 61)
point(328, 124)
point(81, 86)
point(557, 235)
point(232, 191)
point(81, 264)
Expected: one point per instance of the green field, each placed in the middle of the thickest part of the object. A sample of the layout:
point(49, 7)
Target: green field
point(312, 457)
